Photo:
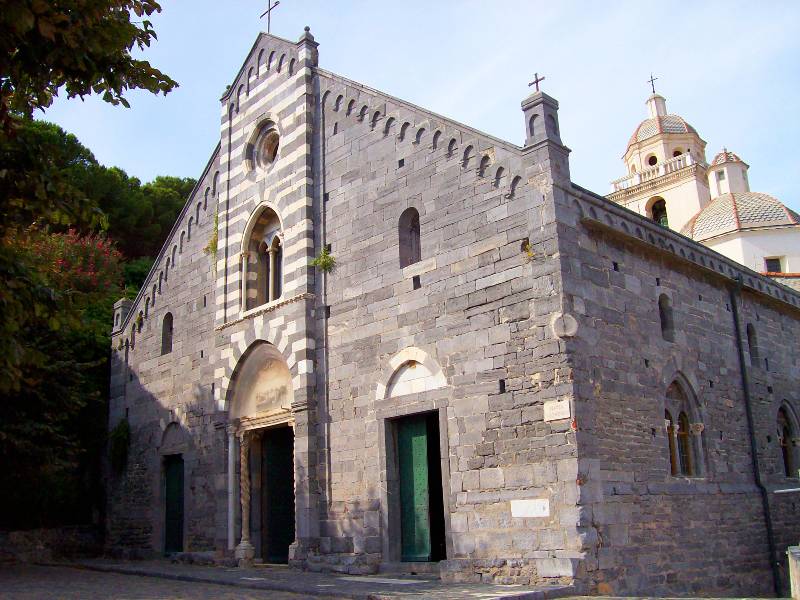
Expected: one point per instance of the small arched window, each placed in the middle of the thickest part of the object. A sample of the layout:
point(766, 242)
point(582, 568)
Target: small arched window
point(183, 237)
point(146, 307)
point(174, 255)
point(533, 123)
point(787, 436)
point(752, 344)
point(514, 185)
point(409, 237)
point(436, 137)
point(658, 212)
point(166, 334)
point(197, 214)
point(189, 229)
point(420, 133)
point(350, 106)
point(685, 438)
point(139, 322)
point(677, 152)
point(451, 147)
point(498, 176)
point(666, 317)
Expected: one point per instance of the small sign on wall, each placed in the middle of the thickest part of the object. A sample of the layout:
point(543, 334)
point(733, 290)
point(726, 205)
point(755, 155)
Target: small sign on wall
point(527, 509)
point(555, 410)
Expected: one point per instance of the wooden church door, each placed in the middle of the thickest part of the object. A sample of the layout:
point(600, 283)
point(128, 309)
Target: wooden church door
point(421, 507)
point(173, 498)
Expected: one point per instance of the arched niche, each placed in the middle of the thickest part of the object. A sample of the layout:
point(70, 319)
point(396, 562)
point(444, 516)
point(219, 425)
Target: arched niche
point(174, 440)
point(261, 386)
point(410, 371)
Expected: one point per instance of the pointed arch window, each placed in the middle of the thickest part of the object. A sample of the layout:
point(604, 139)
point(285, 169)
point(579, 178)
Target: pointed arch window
point(166, 334)
point(787, 438)
point(262, 261)
point(685, 437)
point(409, 237)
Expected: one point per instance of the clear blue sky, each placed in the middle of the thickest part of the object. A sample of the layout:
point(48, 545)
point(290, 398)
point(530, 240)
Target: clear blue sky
point(729, 68)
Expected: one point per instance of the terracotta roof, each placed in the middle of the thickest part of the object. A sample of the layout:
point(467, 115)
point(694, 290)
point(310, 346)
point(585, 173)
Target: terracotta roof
point(738, 212)
point(663, 124)
point(725, 157)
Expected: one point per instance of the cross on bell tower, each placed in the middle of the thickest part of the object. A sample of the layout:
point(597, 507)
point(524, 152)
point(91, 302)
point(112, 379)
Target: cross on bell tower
point(536, 80)
point(268, 12)
point(652, 82)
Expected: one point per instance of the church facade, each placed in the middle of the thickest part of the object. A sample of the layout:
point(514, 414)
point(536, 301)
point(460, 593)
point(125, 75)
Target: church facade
point(504, 377)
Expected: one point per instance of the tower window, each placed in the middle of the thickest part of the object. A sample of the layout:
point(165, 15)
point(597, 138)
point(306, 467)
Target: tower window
point(658, 212)
point(409, 234)
point(652, 161)
point(677, 152)
point(166, 334)
point(665, 315)
point(720, 175)
point(773, 265)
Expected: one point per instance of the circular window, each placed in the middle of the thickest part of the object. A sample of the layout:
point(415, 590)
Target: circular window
point(652, 161)
point(677, 153)
point(266, 148)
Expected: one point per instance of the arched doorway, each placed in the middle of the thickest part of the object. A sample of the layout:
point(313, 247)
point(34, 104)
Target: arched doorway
point(260, 416)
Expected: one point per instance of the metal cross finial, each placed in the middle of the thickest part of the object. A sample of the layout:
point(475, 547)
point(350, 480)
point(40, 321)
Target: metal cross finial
point(268, 12)
point(536, 80)
point(652, 81)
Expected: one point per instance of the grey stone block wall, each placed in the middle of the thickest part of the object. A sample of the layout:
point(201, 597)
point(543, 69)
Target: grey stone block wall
point(653, 531)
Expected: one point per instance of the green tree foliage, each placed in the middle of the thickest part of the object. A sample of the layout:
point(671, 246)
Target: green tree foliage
point(52, 417)
point(54, 316)
point(80, 46)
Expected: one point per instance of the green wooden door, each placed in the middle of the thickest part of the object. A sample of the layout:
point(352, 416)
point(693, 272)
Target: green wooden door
point(173, 497)
point(415, 526)
point(277, 496)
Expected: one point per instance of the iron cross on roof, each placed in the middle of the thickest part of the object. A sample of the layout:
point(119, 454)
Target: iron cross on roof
point(536, 80)
point(268, 12)
point(652, 82)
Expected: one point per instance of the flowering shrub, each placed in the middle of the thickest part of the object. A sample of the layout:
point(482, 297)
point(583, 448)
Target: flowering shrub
point(71, 262)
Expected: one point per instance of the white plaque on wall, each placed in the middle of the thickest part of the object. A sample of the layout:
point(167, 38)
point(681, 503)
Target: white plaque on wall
point(556, 409)
point(537, 508)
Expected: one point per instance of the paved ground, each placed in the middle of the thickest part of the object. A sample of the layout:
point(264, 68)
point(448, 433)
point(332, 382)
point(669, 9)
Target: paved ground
point(160, 580)
point(26, 582)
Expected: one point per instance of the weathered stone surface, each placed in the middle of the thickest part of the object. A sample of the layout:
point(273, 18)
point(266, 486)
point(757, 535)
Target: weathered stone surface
point(513, 305)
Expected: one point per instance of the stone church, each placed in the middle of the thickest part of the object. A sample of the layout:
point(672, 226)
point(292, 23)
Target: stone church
point(504, 377)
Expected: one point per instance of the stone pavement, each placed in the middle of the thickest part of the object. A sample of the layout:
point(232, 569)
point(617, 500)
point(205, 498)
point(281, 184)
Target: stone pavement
point(281, 578)
point(34, 582)
point(106, 580)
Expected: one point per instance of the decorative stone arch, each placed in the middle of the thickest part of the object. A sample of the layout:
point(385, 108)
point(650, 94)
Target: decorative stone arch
point(394, 370)
point(174, 439)
point(241, 402)
point(247, 344)
point(262, 258)
point(253, 219)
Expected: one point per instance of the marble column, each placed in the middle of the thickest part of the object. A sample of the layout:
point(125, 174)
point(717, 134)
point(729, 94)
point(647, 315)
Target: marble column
point(245, 552)
point(271, 283)
point(231, 490)
point(245, 267)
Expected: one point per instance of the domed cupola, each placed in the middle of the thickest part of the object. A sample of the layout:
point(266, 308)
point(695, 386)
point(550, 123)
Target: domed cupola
point(727, 173)
point(661, 137)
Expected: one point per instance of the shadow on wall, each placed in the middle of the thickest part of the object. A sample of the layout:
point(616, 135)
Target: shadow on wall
point(164, 482)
